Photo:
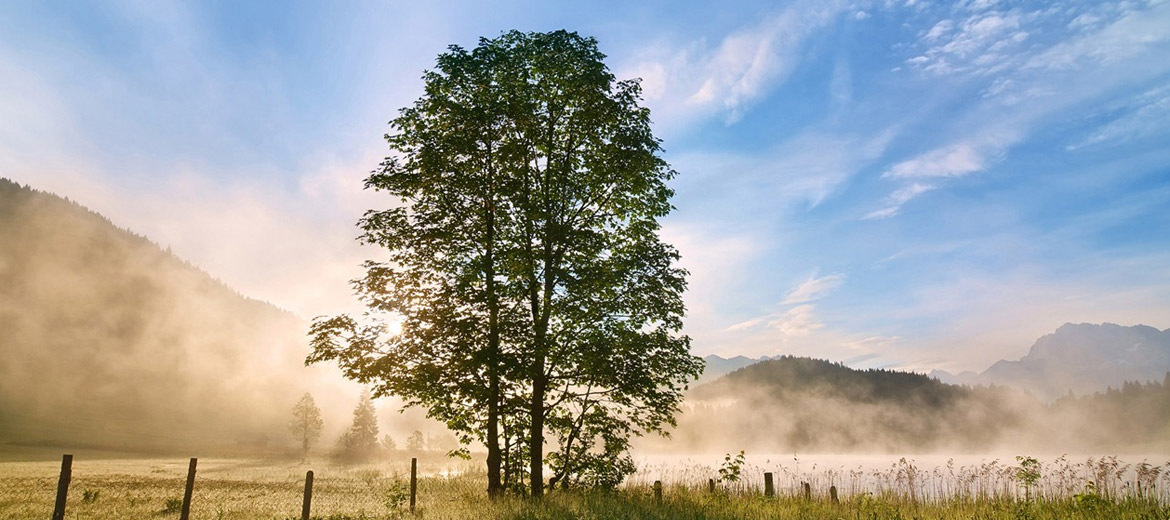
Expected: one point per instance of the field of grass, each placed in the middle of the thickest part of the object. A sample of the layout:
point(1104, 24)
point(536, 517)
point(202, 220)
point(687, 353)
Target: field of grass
point(267, 489)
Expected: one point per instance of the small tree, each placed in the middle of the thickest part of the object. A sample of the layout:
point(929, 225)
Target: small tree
point(388, 443)
point(415, 441)
point(306, 423)
point(1028, 474)
point(360, 441)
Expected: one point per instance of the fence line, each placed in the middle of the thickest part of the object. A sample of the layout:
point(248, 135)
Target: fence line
point(188, 493)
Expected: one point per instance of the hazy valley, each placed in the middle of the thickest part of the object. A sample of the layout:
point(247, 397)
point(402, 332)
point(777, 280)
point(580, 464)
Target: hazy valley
point(112, 342)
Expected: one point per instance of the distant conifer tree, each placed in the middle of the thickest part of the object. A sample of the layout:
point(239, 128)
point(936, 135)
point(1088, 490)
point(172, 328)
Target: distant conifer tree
point(360, 441)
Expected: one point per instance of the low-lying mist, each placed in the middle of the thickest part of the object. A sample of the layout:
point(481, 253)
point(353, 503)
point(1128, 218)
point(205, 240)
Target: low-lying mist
point(802, 405)
point(110, 341)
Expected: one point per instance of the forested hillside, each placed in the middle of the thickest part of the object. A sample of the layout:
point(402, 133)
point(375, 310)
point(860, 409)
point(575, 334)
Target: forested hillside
point(109, 340)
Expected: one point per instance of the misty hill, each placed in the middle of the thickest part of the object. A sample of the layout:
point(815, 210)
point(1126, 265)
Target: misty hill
point(801, 404)
point(1082, 359)
point(790, 403)
point(717, 366)
point(108, 340)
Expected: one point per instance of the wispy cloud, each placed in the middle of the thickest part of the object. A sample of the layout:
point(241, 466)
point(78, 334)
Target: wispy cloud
point(814, 288)
point(1122, 30)
point(953, 160)
point(1026, 82)
point(982, 42)
point(799, 318)
point(897, 199)
point(1144, 115)
point(694, 79)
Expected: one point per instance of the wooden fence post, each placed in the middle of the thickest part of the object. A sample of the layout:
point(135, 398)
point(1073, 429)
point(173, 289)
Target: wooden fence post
point(710, 485)
point(63, 486)
point(769, 489)
point(658, 491)
point(413, 482)
point(308, 495)
point(807, 490)
point(833, 495)
point(185, 513)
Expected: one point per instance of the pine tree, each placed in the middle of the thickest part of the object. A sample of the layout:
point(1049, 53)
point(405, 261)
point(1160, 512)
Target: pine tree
point(360, 441)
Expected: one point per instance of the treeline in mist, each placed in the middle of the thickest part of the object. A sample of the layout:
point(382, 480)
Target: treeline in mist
point(110, 341)
point(1137, 412)
point(800, 404)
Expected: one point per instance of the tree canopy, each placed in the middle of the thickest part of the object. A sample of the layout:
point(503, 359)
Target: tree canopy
point(521, 256)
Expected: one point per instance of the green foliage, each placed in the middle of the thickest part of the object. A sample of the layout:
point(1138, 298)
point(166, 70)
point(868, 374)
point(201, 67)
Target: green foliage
point(395, 496)
point(523, 261)
point(172, 505)
point(1090, 500)
point(732, 468)
point(1028, 473)
point(89, 496)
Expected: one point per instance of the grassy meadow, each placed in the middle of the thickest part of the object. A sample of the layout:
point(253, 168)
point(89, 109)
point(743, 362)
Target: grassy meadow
point(239, 488)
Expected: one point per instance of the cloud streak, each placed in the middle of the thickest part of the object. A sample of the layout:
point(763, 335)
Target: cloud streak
point(685, 83)
point(814, 288)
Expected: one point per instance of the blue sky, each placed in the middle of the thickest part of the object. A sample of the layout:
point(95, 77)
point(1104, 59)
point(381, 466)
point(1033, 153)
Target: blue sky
point(891, 184)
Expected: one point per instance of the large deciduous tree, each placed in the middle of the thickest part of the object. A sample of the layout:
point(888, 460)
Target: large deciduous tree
point(523, 263)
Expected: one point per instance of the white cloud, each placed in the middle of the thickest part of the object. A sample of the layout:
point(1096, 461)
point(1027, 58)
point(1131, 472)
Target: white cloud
point(940, 29)
point(797, 321)
point(953, 160)
point(1084, 21)
point(814, 288)
point(747, 324)
point(1133, 33)
point(692, 80)
point(1029, 82)
point(897, 199)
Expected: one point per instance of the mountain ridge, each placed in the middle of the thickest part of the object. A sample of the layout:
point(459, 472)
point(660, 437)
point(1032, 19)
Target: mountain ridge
point(1080, 358)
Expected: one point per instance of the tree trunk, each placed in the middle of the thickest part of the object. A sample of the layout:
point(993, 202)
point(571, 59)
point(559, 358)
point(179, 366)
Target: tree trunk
point(536, 433)
point(495, 486)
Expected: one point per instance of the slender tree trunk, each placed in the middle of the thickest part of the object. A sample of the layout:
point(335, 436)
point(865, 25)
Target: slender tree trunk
point(542, 311)
point(494, 459)
point(536, 434)
point(495, 486)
